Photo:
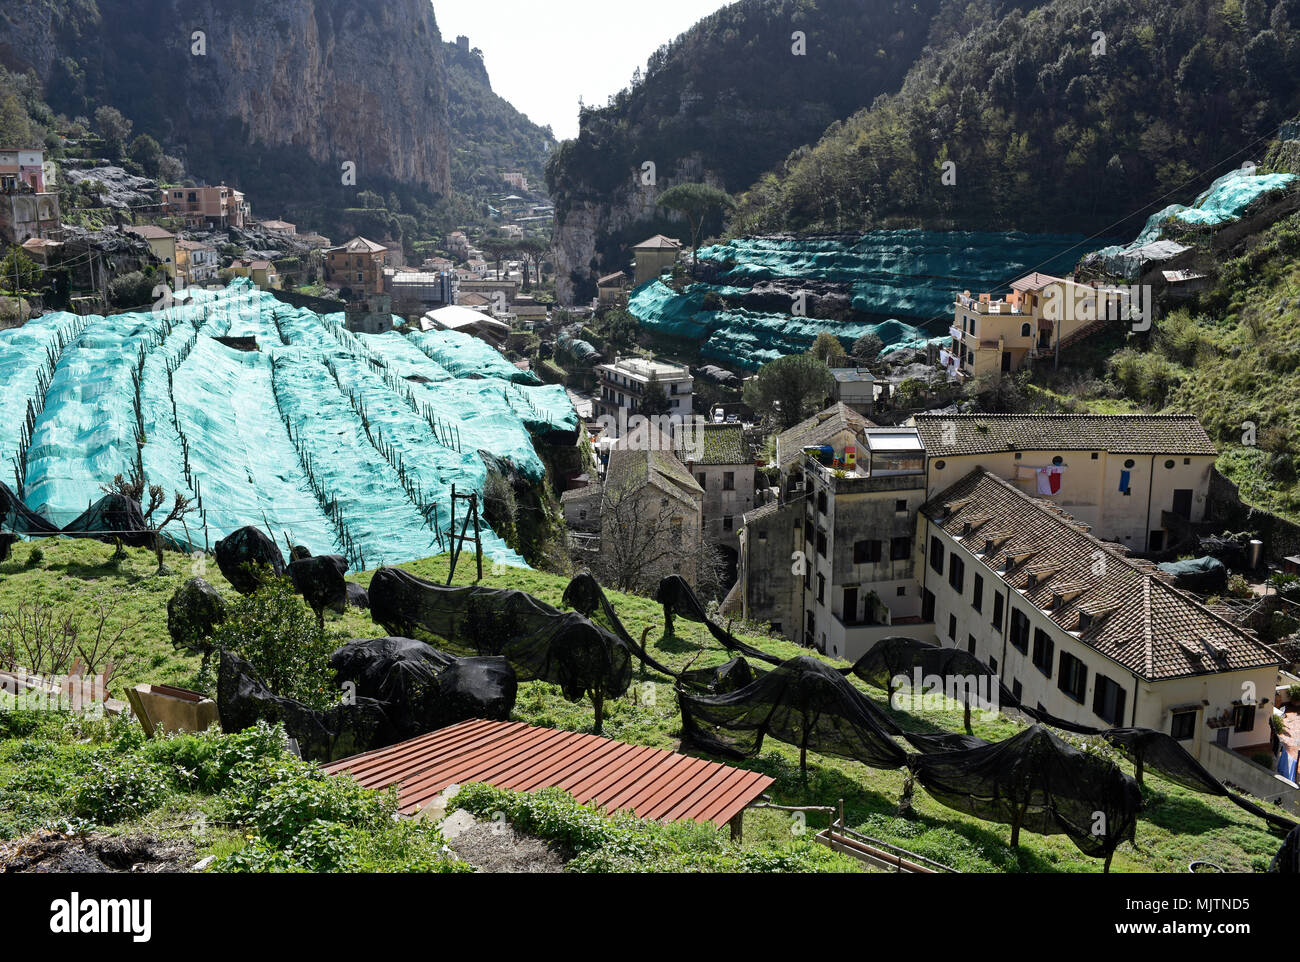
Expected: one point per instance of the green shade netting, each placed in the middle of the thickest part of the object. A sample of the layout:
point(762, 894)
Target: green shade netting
point(466, 356)
point(1223, 201)
point(750, 339)
point(908, 273)
point(223, 412)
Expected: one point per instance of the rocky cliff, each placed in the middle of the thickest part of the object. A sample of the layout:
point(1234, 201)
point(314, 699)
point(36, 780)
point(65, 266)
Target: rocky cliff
point(331, 80)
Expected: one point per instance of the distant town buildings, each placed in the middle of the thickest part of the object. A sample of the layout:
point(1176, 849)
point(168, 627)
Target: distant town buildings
point(209, 207)
point(516, 180)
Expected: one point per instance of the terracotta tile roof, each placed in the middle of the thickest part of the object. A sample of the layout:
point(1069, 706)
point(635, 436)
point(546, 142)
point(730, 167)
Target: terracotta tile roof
point(652, 783)
point(658, 242)
point(1110, 602)
point(721, 444)
point(818, 429)
point(948, 435)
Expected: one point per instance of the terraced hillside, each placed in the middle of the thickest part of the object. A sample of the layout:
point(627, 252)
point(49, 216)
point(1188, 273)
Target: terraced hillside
point(272, 416)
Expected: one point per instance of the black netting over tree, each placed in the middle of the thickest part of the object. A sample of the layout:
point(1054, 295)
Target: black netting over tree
point(1036, 781)
point(194, 612)
point(346, 729)
point(584, 594)
point(931, 744)
point(1287, 859)
point(678, 599)
point(722, 679)
point(422, 689)
point(320, 580)
point(1147, 748)
point(113, 517)
point(245, 557)
point(541, 642)
point(16, 518)
point(804, 703)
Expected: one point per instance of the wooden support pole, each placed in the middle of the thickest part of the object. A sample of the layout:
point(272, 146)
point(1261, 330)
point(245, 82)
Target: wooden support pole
point(478, 541)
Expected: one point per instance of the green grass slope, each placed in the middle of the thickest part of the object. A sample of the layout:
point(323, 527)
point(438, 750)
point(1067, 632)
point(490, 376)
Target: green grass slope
point(1178, 826)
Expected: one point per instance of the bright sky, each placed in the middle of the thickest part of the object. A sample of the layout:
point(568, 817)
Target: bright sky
point(543, 56)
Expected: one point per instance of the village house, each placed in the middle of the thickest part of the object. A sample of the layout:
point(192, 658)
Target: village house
point(207, 207)
point(417, 292)
point(24, 168)
point(1075, 628)
point(278, 226)
point(1042, 316)
point(261, 272)
point(516, 180)
point(1131, 478)
point(720, 459)
point(645, 519)
point(838, 427)
point(196, 262)
point(857, 388)
point(357, 266)
point(623, 384)
point(654, 255)
point(27, 209)
point(611, 290)
point(161, 242)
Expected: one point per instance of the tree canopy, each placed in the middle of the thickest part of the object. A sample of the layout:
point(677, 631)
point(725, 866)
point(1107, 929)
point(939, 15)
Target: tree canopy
point(789, 389)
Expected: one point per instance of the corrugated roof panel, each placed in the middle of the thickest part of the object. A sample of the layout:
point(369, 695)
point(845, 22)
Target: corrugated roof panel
point(650, 782)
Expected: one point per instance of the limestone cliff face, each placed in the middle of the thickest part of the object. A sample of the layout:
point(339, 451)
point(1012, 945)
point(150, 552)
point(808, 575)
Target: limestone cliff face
point(343, 80)
point(358, 80)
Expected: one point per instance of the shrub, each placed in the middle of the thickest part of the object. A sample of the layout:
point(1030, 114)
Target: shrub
point(277, 634)
point(113, 791)
point(35, 558)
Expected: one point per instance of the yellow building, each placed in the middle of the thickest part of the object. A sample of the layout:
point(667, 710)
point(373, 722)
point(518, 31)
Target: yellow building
point(1042, 315)
point(1129, 477)
point(654, 256)
point(161, 242)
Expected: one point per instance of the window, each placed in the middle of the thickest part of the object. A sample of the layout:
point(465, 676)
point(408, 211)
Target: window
point(970, 644)
point(952, 627)
point(1019, 631)
point(900, 549)
point(728, 480)
point(821, 589)
point(808, 532)
point(762, 535)
point(901, 506)
point(700, 477)
point(1243, 718)
point(1024, 330)
point(821, 501)
point(927, 605)
point(821, 543)
point(726, 522)
point(1044, 649)
point(1017, 689)
point(936, 554)
point(997, 611)
point(978, 601)
point(1183, 725)
point(1073, 679)
point(957, 574)
point(1108, 700)
point(866, 552)
point(993, 664)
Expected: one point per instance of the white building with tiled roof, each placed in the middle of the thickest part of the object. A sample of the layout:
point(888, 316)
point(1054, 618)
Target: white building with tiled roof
point(1129, 477)
point(1074, 627)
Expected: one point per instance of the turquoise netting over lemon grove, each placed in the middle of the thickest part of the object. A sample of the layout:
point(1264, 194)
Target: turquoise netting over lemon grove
point(907, 273)
point(1223, 201)
point(340, 442)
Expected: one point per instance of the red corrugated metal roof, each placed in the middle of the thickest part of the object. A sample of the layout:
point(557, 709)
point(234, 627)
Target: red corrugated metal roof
point(649, 782)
